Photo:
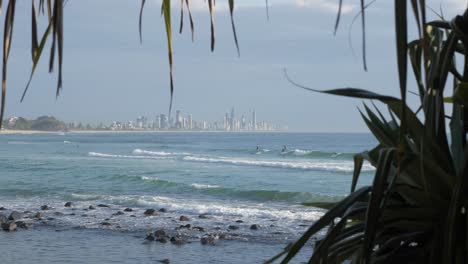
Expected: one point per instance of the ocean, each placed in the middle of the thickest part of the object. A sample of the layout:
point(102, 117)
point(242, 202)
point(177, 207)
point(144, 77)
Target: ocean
point(234, 180)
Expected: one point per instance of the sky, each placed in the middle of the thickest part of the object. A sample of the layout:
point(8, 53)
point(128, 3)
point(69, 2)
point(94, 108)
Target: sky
point(109, 75)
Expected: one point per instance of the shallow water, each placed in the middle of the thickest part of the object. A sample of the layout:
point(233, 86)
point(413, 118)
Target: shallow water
point(219, 174)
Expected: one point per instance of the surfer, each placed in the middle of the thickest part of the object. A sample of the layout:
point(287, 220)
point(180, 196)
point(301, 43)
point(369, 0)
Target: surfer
point(284, 149)
point(258, 148)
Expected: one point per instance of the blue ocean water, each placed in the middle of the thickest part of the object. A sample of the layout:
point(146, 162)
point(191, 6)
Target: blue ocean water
point(246, 177)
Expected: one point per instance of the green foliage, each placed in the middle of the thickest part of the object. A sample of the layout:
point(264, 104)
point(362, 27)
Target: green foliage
point(43, 123)
point(415, 211)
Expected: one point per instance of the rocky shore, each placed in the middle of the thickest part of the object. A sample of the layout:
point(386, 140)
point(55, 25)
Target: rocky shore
point(183, 228)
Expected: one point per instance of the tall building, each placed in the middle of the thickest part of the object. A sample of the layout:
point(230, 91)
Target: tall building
point(254, 120)
point(232, 120)
point(190, 122)
point(178, 121)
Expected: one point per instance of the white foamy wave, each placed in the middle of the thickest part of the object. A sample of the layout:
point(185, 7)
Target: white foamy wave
point(343, 166)
point(203, 186)
point(158, 153)
point(146, 178)
point(248, 211)
point(104, 155)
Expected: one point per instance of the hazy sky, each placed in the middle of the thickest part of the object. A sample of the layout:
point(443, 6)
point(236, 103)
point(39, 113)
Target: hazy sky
point(108, 75)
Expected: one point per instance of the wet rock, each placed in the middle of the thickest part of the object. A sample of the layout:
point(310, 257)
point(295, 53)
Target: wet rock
point(38, 215)
point(164, 261)
point(128, 210)
point(160, 233)
point(21, 224)
point(72, 214)
point(107, 219)
point(184, 218)
point(163, 210)
point(45, 207)
point(2, 208)
point(233, 227)
point(184, 226)
point(58, 213)
point(91, 207)
point(68, 204)
point(239, 221)
point(224, 236)
point(177, 240)
point(150, 237)
point(203, 216)
point(15, 216)
point(119, 213)
point(149, 212)
point(3, 219)
point(198, 228)
point(161, 240)
point(132, 215)
point(106, 224)
point(9, 227)
point(209, 240)
point(254, 227)
point(103, 205)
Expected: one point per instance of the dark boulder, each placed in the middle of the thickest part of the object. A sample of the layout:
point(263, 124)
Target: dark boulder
point(198, 228)
point(119, 213)
point(177, 240)
point(160, 233)
point(91, 207)
point(38, 215)
point(21, 224)
point(45, 207)
point(164, 261)
point(203, 216)
point(239, 221)
point(149, 212)
point(163, 210)
point(161, 240)
point(254, 227)
point(128, 210)
point(3, 219)
point(150, 236)
point(233, 227)
point(68, 204)
point(9, 227)
point(103, 205)
point(184, 218)
point(2, 208)
point(15, 216)
point(106, 224)
point(209, 240)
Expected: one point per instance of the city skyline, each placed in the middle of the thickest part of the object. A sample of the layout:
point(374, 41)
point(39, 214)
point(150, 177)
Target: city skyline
point(185, 121)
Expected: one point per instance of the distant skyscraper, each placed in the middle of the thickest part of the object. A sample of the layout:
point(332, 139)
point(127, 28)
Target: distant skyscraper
point(190, 122)
point(254, 120)
point(232, 120)
point(178, 121)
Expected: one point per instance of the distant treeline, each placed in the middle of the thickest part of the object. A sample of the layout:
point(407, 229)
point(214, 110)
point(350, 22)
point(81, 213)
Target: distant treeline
point(42, 123)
